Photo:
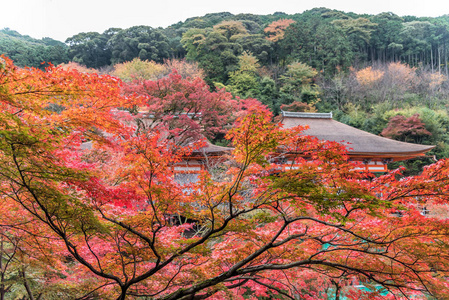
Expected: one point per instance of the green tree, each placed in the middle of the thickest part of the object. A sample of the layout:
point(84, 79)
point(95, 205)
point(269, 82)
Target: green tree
point(143, 42)
point(90, 49)
point(215, 50)
point(260, 47)
point(30, 52)
point(269, 94)
point(385, 39)
point(415, 41)
point(440, 44)
point(298, 84)
point(358, 31)
point(192, 41)
point(245, 81)
point(317, 43)
point(174, 41)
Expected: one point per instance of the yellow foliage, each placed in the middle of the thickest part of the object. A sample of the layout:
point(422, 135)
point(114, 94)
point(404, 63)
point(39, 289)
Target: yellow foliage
point(140, 70)
point(231, 28)
point(368, 76)
point(248, 62)
point(436, 80)
point(150, 70)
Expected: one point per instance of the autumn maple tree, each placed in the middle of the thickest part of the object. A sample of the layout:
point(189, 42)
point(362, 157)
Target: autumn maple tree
point(276, 29)
point(286, 217)
point(406, 129)
point(184, 108)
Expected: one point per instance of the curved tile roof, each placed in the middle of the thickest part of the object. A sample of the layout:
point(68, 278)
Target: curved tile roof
point(211, 148)
point(360, 143)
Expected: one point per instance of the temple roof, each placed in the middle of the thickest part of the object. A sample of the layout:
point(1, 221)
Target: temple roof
point(360, 143)
point(212, 149)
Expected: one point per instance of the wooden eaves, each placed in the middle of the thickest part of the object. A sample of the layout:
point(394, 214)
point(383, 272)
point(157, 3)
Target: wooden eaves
point(361, 145)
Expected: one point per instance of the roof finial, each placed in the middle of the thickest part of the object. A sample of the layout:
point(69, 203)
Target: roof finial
point(291, 114)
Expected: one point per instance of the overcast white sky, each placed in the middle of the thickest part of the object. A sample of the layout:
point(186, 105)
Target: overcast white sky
point(60, 19)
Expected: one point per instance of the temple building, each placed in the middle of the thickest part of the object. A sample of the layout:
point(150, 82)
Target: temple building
point(373, 150)
point(204, 158)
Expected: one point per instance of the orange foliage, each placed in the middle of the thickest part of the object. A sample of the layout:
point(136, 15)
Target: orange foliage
point(184, 68)
point(401, 74)
point(277, 28)
point(368, 76)
point(76, 66)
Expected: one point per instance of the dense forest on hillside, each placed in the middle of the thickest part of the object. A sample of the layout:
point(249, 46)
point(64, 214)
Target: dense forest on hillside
point(382, 73)
point(324, 39)
point(27, 51)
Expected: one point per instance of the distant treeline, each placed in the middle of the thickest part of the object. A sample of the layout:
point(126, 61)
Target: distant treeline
point(327, 40)
point(27, 51)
